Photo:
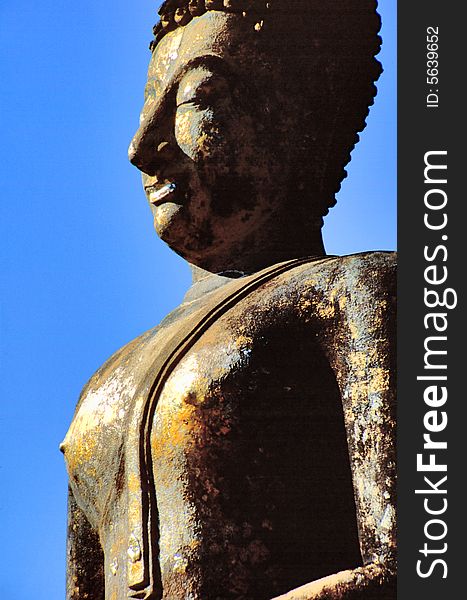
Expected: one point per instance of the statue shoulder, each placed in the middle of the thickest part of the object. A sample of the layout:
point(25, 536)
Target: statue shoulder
point(370, 274)
point(364, 274)
point(330, 289)
point(130, 358)
point(377, 261)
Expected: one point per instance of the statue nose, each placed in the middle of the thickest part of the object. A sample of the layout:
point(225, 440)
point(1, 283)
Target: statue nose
point(132, 151)
point(154, 144)
point(139, 151)
point(150, 154)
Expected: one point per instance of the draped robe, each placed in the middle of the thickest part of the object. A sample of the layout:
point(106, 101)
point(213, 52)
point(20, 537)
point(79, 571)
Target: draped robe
point(245, 446)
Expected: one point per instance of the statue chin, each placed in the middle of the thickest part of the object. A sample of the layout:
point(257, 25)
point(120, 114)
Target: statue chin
point(165, 219)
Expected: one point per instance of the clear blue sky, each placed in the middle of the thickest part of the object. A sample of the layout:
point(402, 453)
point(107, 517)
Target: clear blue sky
point(82, 271)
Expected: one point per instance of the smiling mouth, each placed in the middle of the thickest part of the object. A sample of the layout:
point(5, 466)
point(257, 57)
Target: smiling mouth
point(166, 193)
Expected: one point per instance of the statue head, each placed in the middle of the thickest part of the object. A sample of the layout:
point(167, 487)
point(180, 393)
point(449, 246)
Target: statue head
point(251, 111)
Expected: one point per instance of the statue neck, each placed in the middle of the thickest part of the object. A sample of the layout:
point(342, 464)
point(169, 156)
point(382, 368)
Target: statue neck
point(247, 264)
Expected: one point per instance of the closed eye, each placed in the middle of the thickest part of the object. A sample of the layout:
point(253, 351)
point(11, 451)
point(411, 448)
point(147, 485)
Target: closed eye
point(202, 87)
point(198, 102)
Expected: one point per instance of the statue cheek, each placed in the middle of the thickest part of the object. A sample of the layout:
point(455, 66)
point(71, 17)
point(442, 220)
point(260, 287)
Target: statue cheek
point(200, 135)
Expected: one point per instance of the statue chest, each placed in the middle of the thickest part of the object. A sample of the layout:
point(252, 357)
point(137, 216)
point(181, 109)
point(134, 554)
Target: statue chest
point(246, 456)
point(246, 450)
point(244, 480)
point(200, 405)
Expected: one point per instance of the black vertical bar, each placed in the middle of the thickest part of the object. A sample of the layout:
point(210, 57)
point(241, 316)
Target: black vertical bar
point(431, 129)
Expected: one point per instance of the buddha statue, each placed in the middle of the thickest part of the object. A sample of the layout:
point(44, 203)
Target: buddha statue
point(244, 449)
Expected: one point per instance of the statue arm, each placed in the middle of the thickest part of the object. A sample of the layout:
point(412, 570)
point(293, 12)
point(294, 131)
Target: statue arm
point(362, 351)
point(85, 561)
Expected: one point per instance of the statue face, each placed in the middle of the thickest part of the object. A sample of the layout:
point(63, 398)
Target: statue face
point(208, 133)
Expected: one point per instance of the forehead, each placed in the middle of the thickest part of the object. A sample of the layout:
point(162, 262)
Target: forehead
point(215, 33)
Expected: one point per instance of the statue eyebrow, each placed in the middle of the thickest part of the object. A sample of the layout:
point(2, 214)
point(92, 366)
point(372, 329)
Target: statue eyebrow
point(217, 64)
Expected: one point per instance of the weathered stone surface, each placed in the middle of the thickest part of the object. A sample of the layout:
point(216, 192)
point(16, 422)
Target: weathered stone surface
point(245, 447)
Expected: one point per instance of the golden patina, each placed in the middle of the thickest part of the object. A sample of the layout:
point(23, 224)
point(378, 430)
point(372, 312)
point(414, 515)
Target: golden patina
point(244, 449)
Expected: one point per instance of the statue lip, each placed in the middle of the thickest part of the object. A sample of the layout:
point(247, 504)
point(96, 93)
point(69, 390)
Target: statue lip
point(160, 194)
